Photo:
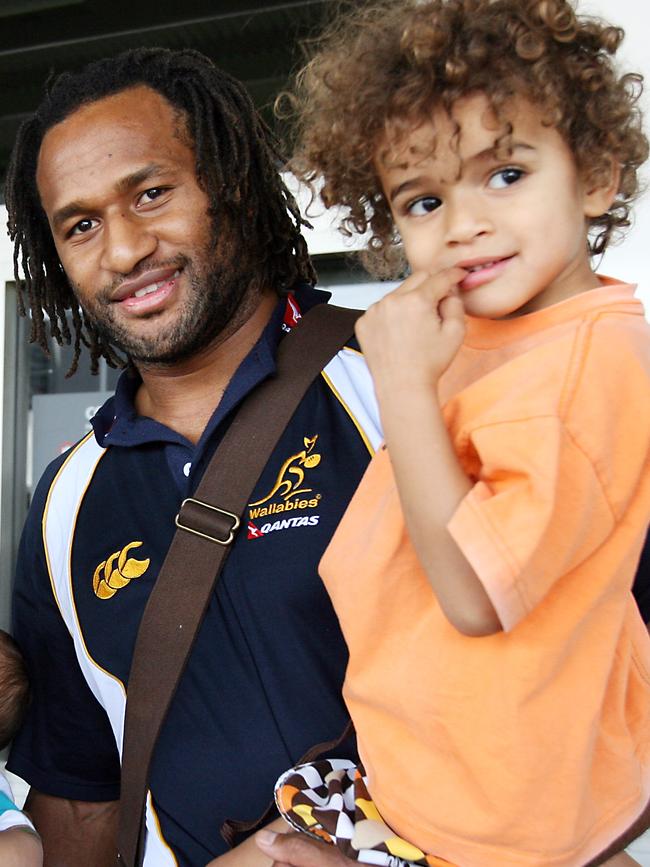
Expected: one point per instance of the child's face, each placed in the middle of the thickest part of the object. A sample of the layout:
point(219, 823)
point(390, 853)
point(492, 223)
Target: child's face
point(517, 222)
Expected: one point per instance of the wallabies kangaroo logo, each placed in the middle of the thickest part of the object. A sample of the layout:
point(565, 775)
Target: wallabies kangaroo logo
point(117, 571)
point(292, 473)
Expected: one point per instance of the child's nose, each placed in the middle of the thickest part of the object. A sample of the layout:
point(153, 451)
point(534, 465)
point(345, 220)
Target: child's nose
point(466, 219)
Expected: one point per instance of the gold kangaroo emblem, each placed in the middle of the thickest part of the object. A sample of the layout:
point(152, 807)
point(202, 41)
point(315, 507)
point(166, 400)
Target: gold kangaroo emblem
point(107, 579)
point(290, 487)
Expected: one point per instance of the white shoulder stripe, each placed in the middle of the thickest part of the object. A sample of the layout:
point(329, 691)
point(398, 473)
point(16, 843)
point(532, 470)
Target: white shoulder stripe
point(59, 524)
point(348, 376)
point(60, 517)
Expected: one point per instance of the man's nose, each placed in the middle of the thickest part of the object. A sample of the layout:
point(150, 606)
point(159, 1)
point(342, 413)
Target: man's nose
point(127, 240)
point(466, 219)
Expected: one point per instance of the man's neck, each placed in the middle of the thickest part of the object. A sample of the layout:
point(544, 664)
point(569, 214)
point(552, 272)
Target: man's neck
point(184, 396)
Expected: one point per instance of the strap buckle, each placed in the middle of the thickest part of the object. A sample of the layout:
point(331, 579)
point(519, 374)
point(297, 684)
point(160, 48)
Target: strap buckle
point(206, 522)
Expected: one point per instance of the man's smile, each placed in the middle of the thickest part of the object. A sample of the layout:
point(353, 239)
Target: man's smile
point(148, 291)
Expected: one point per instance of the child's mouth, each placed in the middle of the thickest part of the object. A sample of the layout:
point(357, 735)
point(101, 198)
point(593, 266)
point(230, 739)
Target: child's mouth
point(479, 273)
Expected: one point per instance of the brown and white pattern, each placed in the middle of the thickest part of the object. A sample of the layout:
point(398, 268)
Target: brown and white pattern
point(329, 799)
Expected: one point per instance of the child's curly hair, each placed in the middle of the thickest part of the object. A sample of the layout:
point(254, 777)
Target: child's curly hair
point(381, 70)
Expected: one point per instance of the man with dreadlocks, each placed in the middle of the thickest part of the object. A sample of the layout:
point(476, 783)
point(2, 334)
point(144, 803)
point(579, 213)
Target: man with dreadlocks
point(145, 202)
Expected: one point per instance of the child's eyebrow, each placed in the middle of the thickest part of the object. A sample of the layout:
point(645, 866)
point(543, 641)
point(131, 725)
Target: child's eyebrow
point(497, 151)
point(404, 187)
point(492, 152)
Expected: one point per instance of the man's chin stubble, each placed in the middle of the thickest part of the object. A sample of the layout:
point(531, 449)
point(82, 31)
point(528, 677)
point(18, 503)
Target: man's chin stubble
point(210, 326)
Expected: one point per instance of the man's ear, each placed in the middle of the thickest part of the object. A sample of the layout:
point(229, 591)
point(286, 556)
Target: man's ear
point(600, 189)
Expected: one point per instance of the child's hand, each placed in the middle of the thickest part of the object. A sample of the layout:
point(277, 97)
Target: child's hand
point(410, 337)
point(20, 848)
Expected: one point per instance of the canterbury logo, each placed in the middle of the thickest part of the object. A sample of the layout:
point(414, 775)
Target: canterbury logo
point(291, 475)
point(116, 572)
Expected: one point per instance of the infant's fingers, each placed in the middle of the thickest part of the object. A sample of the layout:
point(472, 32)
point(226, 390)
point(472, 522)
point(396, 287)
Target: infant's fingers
point(412, 282)
point(363, 325)
point(452, 314)
point(451, 307)
point(445, 283)
point(441, 285)
point(437, 284)
point(417, 300)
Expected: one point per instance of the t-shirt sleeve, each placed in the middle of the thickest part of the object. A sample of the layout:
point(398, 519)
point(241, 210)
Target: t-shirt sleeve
point(537, 512)
point(552, 487)
point(10, 815)
point(66, 746)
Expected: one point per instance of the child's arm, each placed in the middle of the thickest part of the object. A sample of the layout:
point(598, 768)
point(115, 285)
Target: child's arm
point(409, 339)
point(20, 847)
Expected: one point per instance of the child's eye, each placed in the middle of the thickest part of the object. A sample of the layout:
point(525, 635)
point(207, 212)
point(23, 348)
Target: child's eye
point(424, 205)
point(505, 178)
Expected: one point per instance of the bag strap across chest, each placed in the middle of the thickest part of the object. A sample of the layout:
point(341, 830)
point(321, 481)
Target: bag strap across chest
point(207, 525)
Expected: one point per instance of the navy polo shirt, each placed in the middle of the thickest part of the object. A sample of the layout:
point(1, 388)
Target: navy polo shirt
point(263, 683)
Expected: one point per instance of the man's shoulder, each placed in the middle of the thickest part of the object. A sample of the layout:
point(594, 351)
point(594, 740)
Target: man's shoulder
point(65, 478)
point(51, 472)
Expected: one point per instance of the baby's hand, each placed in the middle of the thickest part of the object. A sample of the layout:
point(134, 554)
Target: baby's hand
point(20, 847)
point(410, 337)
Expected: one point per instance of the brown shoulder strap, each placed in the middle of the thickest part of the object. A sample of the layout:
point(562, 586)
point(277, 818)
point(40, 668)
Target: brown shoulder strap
point(208, 523)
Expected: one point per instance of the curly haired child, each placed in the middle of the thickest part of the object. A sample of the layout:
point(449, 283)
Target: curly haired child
point(499, 674)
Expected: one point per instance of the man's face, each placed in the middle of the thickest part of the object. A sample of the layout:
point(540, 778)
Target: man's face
point(130, 222)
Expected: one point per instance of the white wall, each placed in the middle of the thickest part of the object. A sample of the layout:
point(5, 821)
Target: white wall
point(630, 260)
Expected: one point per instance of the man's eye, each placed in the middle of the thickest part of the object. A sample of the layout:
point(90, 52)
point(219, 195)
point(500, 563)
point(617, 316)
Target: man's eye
point(81, 227)
point(505, 178)
point(152, 194)
point(422, 206)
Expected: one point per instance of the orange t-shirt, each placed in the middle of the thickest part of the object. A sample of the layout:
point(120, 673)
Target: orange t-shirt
point(531, 746)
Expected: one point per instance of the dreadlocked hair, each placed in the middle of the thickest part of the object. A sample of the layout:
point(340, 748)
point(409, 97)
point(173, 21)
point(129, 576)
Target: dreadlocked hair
point(238, 164)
